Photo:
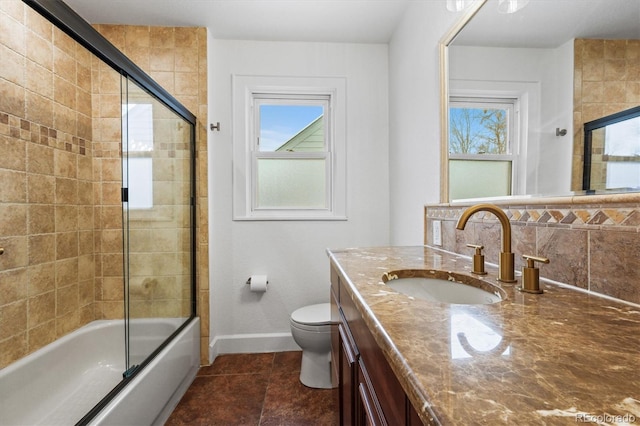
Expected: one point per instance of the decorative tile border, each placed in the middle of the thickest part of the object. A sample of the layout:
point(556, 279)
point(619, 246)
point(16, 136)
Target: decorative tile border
point(623, 217)
point(29, 131)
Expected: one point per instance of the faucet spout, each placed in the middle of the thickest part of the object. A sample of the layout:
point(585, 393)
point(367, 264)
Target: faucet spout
point(506, 262)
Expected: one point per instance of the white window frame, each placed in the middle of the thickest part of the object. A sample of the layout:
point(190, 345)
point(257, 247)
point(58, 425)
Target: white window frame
point(248, 89)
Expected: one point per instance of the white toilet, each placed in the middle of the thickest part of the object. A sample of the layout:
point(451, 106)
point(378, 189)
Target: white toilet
point(311, 329)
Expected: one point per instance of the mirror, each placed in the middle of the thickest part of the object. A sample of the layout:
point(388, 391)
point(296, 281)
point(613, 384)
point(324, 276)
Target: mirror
point(555, 85)
point(612, 152)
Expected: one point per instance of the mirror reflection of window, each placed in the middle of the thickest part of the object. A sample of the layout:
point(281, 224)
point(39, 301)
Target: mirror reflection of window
point(481, 147)
point(138, 119)
point(622, 153)
point(612, 152)
point(621, 139)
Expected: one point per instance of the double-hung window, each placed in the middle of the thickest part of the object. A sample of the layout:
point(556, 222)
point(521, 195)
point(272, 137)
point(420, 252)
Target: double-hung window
point(289, 149)
point(482, 147)
point(291, 155)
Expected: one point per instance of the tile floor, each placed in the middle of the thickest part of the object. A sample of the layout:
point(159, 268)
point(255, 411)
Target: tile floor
point(255, 389)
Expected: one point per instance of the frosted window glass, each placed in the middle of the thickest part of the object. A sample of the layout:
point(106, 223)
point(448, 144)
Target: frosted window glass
point(472, 178)
point(139, 122)
point(140, 183)
point(623, 175)
point(291, 183)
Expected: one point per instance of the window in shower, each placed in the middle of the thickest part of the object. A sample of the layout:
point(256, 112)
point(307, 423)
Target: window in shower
point(138, 119)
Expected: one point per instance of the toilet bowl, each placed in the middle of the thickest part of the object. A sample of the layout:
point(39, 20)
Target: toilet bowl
point(311, 330)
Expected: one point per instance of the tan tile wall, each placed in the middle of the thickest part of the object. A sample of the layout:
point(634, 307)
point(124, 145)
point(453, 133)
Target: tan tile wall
point(60, 172)
point(606, 81)
point(593, 246)
point(107, 130)
point(176, 57)
point(46, 196)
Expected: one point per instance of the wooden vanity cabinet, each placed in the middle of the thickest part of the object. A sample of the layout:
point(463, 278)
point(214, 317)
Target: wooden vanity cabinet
point(369, 392)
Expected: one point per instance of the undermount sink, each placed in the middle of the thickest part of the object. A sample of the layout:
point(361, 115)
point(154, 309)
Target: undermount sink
point(442, 286)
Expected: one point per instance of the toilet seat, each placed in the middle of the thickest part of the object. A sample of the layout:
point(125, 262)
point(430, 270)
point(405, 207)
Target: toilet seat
point(313, 315)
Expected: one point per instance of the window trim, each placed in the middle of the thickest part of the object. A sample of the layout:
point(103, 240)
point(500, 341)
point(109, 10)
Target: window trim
point(244, 90)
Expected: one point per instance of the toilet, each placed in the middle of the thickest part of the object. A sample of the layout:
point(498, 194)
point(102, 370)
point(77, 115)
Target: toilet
point(311, 330)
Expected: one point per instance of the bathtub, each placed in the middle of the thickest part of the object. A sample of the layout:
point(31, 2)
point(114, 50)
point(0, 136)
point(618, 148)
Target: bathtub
point(60, 383)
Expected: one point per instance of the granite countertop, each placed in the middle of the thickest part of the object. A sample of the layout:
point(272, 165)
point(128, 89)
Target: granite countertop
point(561, 357)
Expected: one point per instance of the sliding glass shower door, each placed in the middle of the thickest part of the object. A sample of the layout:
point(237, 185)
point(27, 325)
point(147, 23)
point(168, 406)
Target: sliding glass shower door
point(157, 195)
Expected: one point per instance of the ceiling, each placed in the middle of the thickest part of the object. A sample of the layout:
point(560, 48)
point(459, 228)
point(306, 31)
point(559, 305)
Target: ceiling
point(551, 23)
point(355, 21)
point(542, 23)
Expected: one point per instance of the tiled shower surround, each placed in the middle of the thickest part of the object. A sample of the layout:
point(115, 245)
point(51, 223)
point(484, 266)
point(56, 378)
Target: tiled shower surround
point(60, 170)
point(593, 242)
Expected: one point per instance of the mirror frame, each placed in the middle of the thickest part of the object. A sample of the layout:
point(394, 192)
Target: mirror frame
point(443, 48)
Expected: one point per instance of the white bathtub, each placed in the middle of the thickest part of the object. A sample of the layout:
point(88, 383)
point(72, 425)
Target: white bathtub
point(60, 383)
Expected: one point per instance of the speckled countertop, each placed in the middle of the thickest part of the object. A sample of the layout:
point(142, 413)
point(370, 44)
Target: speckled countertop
point(558, 358)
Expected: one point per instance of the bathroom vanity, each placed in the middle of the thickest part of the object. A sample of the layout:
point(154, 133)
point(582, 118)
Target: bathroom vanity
point(370, 393)
point(560, 357)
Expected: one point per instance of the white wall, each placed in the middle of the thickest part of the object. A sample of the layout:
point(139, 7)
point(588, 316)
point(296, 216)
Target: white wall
point(291, 253)
point(414, 117)
point(556, 152)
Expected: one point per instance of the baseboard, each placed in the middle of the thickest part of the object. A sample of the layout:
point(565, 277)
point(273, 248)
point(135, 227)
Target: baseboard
point(251, 343)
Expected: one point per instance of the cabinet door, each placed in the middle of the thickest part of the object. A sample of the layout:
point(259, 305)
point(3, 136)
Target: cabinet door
point(348, 377)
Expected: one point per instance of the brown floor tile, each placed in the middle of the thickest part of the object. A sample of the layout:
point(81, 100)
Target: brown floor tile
point(253, 390)
point(222, 400)
point(239, 364)
point(287, 362)
point(289, 402)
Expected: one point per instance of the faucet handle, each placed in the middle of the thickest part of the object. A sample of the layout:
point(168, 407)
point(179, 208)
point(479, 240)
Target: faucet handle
point(531, 259)
point(478, 260)
point(531, 274)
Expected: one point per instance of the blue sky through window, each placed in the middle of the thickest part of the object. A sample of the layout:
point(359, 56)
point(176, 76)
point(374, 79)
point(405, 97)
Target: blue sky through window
point(475, 130)
point(279, 123)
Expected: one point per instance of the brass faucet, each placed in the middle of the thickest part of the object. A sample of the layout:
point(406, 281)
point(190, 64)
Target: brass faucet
point(506, 262)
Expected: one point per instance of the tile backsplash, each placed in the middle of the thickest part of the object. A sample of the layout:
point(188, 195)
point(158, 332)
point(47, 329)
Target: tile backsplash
point(592, 242)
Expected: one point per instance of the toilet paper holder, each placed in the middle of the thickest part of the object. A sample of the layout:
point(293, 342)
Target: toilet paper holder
point(249, 281)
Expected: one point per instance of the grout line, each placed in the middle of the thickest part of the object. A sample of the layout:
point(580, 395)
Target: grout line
point(266, 389)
